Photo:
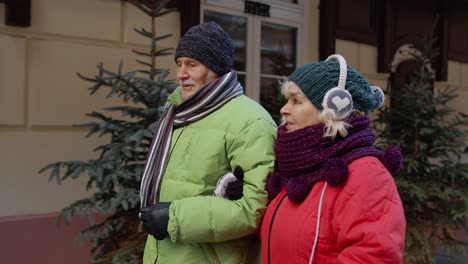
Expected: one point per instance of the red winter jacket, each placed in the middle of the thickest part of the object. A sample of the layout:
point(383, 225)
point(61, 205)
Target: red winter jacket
point(361, 221)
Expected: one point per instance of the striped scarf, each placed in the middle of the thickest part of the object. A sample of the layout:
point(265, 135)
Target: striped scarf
point(202, 103)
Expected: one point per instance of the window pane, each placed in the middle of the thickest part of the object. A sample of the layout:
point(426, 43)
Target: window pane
point(236, 28)
point(271, 97)
point(278, 50)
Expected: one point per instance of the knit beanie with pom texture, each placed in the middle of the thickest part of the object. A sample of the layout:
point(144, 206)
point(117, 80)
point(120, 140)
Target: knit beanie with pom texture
point(317, 78)
point(208, 44)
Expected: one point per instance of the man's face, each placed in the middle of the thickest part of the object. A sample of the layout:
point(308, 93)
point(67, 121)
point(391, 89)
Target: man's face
point(192, 75)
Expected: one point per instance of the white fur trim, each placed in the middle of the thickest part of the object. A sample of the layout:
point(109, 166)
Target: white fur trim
point(222, 184)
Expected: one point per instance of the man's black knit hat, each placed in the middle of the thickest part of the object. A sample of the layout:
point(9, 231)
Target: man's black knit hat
point(208, 44)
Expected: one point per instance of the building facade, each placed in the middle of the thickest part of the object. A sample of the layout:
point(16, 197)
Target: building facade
point(44, 43)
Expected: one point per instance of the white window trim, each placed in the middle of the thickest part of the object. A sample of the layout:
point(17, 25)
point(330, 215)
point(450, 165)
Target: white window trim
point(278, 9)
point(281, 13)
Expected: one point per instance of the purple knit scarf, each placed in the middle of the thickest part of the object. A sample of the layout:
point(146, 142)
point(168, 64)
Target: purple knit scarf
point(304, 157)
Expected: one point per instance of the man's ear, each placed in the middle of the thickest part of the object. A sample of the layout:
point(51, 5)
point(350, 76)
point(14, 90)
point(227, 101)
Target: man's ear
point(212, 74)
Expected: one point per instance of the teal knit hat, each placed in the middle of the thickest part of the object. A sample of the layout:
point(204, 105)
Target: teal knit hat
point(317, 78)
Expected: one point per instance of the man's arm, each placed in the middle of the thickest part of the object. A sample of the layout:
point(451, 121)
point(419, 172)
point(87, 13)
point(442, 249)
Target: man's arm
point(211, 218)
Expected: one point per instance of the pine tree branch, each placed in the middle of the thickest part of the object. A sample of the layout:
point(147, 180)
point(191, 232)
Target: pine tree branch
point(116, 173)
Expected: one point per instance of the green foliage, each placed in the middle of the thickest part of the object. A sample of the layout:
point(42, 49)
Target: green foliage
point(433, 182)
point(114, 177)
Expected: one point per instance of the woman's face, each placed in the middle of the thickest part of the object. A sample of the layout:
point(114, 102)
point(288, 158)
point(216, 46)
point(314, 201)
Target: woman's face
point(298, 112)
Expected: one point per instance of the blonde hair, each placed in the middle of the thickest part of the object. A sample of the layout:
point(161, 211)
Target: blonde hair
point(333, 125)
point(289, 88)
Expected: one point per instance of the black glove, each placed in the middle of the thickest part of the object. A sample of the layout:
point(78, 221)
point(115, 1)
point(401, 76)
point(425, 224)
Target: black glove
point(155, 219)
point(230, 185)
point(234, 189)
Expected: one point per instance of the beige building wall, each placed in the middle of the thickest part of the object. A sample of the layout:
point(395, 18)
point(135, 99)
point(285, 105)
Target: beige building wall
point(458, 77)
point(41, 95)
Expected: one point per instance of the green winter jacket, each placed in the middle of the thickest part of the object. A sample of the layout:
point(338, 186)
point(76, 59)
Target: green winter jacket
point(203, 228)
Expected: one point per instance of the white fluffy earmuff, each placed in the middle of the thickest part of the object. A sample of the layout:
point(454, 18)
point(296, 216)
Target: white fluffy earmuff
point(338, 99)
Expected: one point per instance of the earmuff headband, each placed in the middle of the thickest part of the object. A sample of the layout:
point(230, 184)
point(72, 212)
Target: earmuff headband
point(338, 99)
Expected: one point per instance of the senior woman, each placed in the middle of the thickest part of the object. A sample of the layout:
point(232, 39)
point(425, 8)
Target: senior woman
point(332, 196)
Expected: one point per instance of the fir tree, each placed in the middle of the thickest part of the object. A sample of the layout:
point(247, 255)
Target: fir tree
point(116, 173)
point(433, 182)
